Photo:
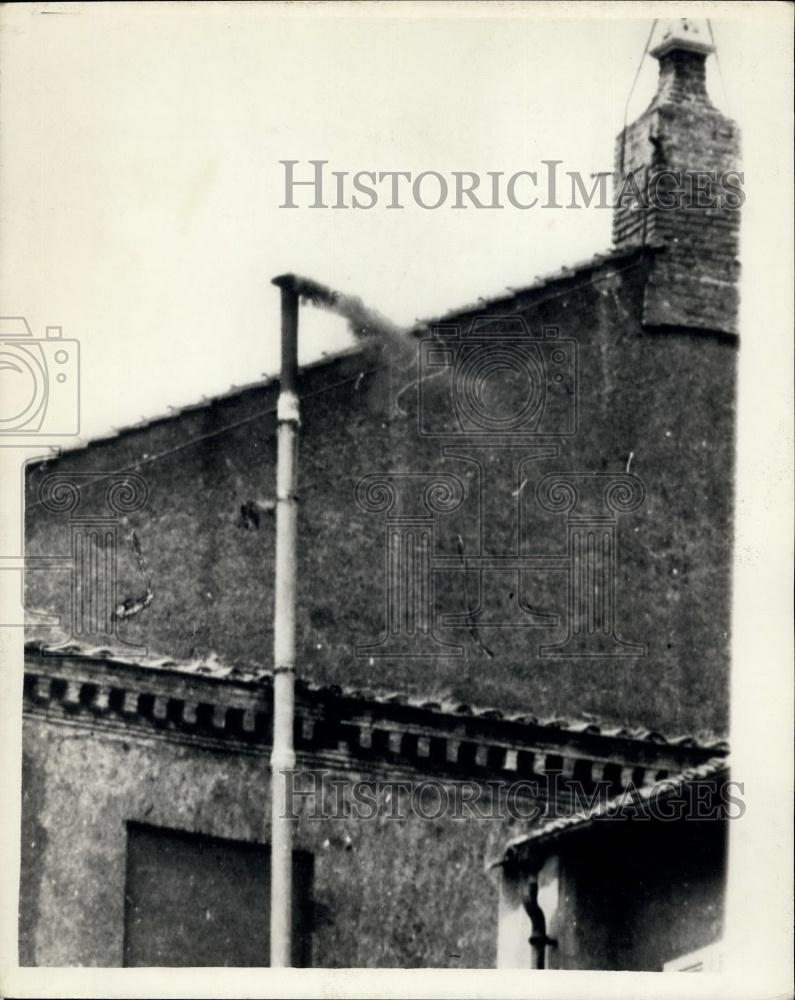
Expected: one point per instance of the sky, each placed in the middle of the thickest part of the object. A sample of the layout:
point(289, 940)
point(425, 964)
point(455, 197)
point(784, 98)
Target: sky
point(140, 183)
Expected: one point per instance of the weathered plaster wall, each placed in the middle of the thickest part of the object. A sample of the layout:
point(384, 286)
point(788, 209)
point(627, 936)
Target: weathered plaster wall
point(659, 403)
point(386, 892)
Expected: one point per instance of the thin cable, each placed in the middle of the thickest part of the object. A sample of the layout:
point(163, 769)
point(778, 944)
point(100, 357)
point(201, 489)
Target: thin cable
point(717, 63)
point(631, 92)
point(197, 440)
point(246, 420)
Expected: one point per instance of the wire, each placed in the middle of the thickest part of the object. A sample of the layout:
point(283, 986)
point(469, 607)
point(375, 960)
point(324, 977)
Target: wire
point(632, 91)
point(254, 416)
point(205, 437)
point(717, 63)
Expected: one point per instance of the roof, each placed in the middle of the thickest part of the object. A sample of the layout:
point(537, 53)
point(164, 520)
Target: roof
point(542, 838)
point(629, 256)
point(214, 669)
point(177, 412)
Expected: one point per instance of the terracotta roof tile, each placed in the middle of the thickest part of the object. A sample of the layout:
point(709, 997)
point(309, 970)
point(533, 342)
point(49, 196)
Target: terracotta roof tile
point(213, 668)
point(547, 833)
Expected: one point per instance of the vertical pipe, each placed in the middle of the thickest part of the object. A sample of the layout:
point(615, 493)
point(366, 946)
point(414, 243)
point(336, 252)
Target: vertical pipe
point(283, 754)
point(538, 940)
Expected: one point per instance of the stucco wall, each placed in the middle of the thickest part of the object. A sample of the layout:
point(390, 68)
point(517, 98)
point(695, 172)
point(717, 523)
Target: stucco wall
point(387, 892)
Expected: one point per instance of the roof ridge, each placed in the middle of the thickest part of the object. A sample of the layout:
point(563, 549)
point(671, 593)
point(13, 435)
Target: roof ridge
point(176, 412)
point(564, 272)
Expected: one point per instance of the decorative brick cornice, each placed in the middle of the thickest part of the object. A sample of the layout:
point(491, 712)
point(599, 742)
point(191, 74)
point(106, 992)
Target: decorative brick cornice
point(352, 728)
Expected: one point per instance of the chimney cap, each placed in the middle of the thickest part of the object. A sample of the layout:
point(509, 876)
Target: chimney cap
point(683, 35)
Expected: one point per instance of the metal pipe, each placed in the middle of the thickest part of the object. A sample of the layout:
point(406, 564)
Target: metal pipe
point(538, 940)
point(283, 753)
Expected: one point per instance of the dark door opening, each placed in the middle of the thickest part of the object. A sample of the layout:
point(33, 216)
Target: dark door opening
point(194, 900)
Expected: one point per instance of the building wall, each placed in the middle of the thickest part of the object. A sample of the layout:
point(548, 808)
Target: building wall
point(636, 901)
point(398, 864)
point(386, 892)
point(660, 404)
point(630, 896)
point(655, 399)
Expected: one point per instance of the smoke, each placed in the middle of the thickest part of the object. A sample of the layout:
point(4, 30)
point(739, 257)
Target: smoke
point(365, 324)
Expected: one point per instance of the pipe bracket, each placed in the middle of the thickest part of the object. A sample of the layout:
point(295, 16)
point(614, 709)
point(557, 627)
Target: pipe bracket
point(287, 408)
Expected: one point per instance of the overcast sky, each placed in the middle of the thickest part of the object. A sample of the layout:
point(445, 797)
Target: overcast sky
point(141, 183)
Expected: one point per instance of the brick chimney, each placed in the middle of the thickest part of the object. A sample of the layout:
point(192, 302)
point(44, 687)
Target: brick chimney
point(675, 191)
